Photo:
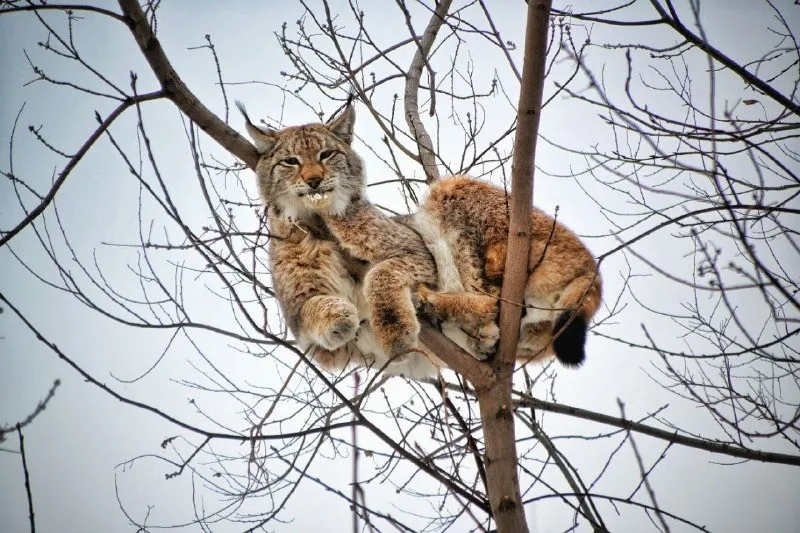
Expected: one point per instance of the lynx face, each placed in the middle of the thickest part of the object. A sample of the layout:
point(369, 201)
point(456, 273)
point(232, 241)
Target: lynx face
point(310, 169)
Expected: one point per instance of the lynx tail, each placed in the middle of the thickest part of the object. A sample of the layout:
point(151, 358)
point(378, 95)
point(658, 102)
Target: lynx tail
point(570, 338)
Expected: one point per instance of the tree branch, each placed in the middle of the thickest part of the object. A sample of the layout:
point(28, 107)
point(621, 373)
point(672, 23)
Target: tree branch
point(735, 67)
point(495, 404)
point(177, 91)
point(63, 7)
point(34, 213)
point(478, 373)
point(40, 407)
point(410, 97)
point(723, 448)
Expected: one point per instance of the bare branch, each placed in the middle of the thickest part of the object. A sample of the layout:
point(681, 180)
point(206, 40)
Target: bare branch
point(47, 199)
point(411, 94)
point(176, 90)
point(27, 479)
point(40, 407)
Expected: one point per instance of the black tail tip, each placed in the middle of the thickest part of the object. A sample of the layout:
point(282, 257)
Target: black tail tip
point(569, 343)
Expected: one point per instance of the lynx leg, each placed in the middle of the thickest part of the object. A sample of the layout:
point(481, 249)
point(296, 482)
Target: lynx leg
point(536, 326)
point(536, 330)
point(470, 266)
point(495, 260)
point(474, 313)
point(393, 317)
point(329, 321)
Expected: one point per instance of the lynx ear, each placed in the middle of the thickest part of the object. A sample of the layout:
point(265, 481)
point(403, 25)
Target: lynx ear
point(264, 138)
point(342, 125)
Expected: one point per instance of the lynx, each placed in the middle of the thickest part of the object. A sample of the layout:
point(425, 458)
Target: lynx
point(462, 225)
point(311, 176)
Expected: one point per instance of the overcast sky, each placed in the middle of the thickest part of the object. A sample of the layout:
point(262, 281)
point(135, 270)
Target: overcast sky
point(78, 447)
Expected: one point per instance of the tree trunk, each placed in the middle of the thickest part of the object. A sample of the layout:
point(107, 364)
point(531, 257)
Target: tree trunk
point(495, 402)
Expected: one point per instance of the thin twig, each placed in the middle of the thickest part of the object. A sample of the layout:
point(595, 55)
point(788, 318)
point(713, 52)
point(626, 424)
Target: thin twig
point(27, 478)
point(41, 406)
point(645, 474)
point(73, 162)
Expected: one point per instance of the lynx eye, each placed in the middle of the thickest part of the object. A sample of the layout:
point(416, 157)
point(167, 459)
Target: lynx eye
point(290, 161)
point(325, 154)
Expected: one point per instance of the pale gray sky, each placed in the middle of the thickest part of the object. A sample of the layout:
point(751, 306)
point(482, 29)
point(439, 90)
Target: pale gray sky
point(78, 447)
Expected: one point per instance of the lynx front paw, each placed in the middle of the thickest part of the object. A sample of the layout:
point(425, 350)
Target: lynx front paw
point(331, 322)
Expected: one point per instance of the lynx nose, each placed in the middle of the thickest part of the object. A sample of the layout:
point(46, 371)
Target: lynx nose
point(313, 181)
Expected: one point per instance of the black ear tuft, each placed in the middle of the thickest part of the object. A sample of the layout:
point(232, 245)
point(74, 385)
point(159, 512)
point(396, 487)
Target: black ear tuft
point(569, 343)
point(242, 110)
point(342, 125)
point(264, 138)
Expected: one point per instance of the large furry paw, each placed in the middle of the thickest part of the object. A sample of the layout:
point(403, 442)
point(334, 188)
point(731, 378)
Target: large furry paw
point(535, 341)
point(397, 336)
point(484, 339)
point(333, 324)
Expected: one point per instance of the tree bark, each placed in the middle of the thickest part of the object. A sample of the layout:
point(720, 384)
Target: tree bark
point(495, 402)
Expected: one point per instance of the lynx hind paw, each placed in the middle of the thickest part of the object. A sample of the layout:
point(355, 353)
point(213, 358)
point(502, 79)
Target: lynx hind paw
point(484, 341)
point(424, 301)
point(337, 325)
point(534, 341)
point(422, 297)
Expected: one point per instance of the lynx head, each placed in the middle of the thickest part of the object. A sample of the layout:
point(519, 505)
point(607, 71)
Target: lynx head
point(310, 169)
